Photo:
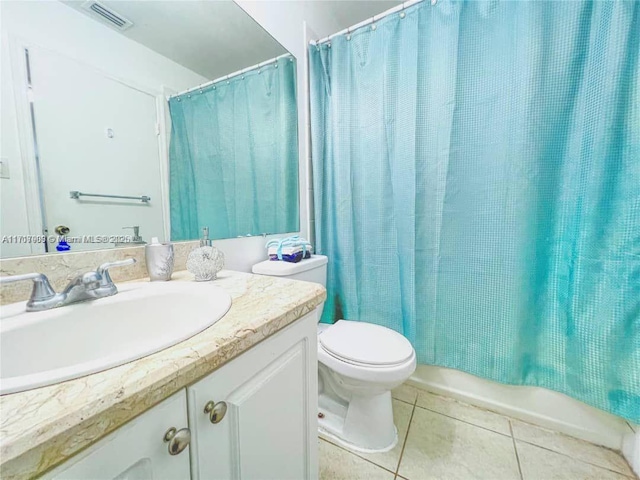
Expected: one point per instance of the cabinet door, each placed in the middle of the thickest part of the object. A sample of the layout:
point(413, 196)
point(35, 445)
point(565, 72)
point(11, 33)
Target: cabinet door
point(269, 430)
point(135, 451)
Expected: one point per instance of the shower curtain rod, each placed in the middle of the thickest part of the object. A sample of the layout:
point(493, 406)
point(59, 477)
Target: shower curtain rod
point(231, 75)
point(369, 21)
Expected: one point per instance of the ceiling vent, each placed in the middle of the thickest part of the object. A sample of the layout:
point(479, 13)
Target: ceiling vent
point(106, 15)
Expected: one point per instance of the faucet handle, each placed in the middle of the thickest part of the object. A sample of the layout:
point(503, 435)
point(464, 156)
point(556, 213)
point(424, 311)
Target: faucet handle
point(42, 289)
point(103, 270)
point(136, 231)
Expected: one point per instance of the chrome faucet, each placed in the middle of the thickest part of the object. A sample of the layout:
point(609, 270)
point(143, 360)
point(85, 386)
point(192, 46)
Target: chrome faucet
point(88, 286)
point(137, 238)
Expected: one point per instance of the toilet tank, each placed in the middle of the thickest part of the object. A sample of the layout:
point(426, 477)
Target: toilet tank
point(312, 269)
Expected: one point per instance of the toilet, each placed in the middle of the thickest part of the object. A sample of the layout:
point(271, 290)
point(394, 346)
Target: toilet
point(359, 364)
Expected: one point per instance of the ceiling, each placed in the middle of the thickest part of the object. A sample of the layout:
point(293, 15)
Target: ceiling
point(215, 38)
point(212, 38)
point(348, 13)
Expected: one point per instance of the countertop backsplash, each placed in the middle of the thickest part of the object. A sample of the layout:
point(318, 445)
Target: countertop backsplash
point(60, 268)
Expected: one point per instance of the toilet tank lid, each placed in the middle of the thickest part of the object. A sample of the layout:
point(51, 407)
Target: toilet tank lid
point(279, 268)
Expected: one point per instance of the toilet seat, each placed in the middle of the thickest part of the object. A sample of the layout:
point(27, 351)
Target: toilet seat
point(341, 353)
point(366, 344)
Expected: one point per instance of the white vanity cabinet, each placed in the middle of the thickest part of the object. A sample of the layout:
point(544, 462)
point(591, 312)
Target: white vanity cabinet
point(135, 451)
point(262, 424)
point(264, 419)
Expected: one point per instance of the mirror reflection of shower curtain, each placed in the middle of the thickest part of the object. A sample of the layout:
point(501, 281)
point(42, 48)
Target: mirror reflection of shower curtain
point(477, 188)
point(234, 156)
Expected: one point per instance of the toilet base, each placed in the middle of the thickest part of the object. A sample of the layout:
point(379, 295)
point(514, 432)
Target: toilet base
point(363, 424)
point(327, 435)
point(354, 400)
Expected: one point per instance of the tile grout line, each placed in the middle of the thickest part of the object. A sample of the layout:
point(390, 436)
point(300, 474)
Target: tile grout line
point(515, 449)
point(461, 402)
point(468, 423)
point(509, 421)
point(574, 458)
point(403, 401)
point(406, 437)
point(355, 454)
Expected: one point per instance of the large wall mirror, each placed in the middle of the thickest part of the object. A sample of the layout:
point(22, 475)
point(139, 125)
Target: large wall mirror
point(127, 120)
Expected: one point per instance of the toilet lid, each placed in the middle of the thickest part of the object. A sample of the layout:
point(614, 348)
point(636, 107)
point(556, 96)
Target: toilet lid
point(366, 343)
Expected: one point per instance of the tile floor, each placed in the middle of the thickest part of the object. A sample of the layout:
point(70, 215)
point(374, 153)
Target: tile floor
point(440, 438)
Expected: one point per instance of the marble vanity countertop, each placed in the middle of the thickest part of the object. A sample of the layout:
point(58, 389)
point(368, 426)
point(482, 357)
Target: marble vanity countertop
point(43, 427)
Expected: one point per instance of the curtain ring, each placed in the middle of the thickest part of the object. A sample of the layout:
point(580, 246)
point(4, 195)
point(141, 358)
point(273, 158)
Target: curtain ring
point(348, 33)
point(402, 14)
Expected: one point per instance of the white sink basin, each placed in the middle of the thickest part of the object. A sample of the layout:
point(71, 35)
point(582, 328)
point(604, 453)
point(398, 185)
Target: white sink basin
point(43, 348)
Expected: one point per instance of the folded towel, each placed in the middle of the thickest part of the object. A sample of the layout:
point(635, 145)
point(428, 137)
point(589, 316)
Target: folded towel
point(289, 249)
point(290, 257)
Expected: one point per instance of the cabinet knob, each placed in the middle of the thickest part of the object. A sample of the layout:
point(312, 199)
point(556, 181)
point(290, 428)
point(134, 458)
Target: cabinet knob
point(178, 440)
point(216, 411)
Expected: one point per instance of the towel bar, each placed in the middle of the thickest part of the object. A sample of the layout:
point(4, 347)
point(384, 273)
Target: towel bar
point(76, 195)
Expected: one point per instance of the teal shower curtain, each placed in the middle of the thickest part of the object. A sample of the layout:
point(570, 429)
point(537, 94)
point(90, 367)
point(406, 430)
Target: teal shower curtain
point(477, 188)
point(233, 157)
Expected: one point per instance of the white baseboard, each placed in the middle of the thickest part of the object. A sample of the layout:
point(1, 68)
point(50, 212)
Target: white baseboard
point(535, 405)
point(631, 451)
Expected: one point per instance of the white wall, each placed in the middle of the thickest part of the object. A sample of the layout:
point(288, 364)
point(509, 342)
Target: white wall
point(77, 104)
point(60, 29)
point(13, 208)
point(283, 20)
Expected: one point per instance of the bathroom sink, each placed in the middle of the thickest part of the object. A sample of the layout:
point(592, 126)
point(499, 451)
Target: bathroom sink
point(43, 348)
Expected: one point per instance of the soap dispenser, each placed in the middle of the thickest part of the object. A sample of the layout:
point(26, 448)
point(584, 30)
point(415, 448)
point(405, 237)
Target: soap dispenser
point(205, 261)
point(205, 241)
point(159, 258)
